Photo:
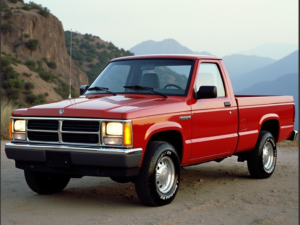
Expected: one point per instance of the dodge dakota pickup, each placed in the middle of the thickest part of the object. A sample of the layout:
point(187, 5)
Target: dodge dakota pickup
point(142, 120)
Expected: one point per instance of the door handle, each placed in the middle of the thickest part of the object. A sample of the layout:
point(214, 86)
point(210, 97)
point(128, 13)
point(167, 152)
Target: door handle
point(227, 104)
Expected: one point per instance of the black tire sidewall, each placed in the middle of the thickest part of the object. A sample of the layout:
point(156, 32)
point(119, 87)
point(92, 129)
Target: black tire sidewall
point(268, 138)
point(145, 185)
point(255, 162)
point(45, 183)
point(165, 198)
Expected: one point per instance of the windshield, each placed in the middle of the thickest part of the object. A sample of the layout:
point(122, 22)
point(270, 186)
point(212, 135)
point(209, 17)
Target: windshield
point(166, 76)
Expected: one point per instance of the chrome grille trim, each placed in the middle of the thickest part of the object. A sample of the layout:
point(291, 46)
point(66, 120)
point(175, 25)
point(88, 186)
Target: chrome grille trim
point(60, 132)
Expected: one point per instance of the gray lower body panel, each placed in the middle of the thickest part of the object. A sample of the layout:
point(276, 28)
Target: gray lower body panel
point(81, 160)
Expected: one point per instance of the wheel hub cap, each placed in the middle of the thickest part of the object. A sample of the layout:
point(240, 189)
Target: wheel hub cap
point(268, 157)
point(164, 174)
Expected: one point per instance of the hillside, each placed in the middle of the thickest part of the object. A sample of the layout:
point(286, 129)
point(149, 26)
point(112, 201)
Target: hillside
point(35, 65)
point(273, 51)
point(287, 65)
point(238, 64)
point(284, 85)
point(167, 46)
point(91, 54)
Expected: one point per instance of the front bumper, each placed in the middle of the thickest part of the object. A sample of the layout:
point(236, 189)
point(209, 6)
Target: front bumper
point(84, 160)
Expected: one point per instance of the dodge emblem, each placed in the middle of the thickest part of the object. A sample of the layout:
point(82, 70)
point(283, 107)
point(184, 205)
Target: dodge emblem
point(61, 111)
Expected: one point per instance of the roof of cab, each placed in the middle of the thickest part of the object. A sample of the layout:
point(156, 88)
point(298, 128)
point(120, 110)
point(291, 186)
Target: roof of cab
point(176, 56)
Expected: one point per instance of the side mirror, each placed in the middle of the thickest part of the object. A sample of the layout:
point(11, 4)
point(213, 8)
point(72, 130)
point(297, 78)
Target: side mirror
point(83, 88)
point(207, 92)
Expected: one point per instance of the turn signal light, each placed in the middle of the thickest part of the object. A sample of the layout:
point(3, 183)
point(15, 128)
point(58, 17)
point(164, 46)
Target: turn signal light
point(10, 129)
point(127, 132)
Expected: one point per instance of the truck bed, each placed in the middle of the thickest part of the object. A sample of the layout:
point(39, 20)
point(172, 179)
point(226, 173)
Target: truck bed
point(254, 110)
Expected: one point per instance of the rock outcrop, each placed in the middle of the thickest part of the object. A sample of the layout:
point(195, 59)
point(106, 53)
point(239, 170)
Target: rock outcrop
point(51, 42)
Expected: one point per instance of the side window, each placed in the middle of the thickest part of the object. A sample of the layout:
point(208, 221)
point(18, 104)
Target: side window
point(209, 75)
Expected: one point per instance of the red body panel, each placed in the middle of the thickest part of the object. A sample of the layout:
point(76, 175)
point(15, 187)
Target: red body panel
point(214, 131)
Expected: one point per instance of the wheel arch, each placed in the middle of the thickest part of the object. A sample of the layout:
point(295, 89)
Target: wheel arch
point(171, 135)
point(271, 124)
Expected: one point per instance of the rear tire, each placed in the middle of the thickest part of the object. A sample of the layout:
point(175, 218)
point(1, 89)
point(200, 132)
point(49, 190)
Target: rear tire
point(262, 159)
point(45, 183)
point(159, 177)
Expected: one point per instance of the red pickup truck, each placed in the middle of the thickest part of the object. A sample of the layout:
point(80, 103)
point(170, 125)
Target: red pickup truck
point(141, 120)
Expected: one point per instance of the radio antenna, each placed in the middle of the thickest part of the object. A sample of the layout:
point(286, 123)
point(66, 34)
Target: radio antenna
point(70, 64)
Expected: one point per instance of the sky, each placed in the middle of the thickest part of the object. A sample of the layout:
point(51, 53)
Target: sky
point(221, 27)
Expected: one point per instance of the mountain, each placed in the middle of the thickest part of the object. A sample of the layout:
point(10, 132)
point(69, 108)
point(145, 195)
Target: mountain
point(284, 85)
point(167, 46)
point(274, 51)
point(91, 54)
point(286, 65)
point(238, 64)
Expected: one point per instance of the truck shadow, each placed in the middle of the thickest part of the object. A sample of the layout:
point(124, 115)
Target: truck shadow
point(104, 192)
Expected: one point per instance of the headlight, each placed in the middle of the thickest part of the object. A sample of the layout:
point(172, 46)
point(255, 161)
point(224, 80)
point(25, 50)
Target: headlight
point(17, 130)
point(117, 133)
point(114, 128)
point(19, 125)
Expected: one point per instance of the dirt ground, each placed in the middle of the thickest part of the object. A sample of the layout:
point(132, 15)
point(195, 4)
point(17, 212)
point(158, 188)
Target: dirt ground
point(210, 193)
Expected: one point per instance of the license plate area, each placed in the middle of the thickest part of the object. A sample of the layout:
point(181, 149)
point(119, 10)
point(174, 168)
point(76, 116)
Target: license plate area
point(60, 159)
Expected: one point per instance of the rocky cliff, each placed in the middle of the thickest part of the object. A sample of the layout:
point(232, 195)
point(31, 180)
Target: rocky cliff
point(28, 25)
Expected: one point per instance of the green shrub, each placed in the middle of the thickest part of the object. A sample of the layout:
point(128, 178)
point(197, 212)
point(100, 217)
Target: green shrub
point(26, 7)
point(45, 75)
point(29, 86)
point(32, 44)
point(8, 14)
point(63, 89)
point(52, 65)
point(5, 61)
point(12, 83)
point(46, 94)
point(6, 27)
point(13, 1)
point(19, 43)
point(35, 6)
point(4, 6)
point(44, 12)
point(30, 64)
point(35, 99)
point(27, 74)
point(26, 35)
point(9, 73)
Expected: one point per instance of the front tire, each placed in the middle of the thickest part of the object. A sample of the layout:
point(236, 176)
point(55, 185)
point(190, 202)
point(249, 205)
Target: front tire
point(262, 159)
point(159, 178)
point(46, 183)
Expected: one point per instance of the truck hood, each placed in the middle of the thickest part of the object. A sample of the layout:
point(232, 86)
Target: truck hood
point(106, 106)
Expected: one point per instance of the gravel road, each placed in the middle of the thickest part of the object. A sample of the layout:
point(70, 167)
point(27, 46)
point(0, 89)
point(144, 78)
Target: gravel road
point(210, 193)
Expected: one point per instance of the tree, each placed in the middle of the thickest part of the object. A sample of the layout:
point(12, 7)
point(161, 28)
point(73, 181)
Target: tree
point(32, 44)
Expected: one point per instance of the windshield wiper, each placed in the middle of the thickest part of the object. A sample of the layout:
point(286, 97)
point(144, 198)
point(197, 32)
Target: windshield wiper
point(96, 88)
point(138, 87)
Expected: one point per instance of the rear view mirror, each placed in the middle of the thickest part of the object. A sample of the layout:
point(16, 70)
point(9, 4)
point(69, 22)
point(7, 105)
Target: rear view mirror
point(206, 92)
point(147, 67)
point(83, 88)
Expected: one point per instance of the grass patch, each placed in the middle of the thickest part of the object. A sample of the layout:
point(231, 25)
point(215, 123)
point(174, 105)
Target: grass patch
point(7, 107)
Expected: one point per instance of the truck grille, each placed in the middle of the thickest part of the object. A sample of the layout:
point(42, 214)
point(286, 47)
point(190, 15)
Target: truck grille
point(41, 136)
point(73, 125)
point(43, 124)
point(64, 131)
point(80, 138)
